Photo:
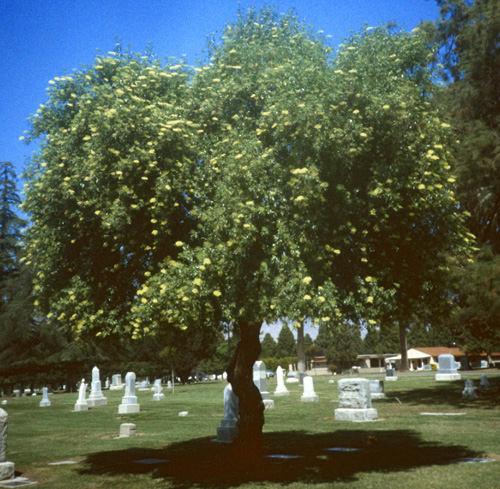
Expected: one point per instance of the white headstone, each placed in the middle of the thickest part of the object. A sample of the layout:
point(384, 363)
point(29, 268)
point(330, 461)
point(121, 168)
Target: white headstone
point(377, 389)
point(158, 394)
point(259, 379)
point(127, 430)
point(355, 402)
point(228, 429)
point(447, 368)
point(309, 395)
point(281, 390)
point(7, 469)
point(129, 400)
point(96, 397)
point(81, 404)
point(106, 383)
point(45, 397)
point(116, 382)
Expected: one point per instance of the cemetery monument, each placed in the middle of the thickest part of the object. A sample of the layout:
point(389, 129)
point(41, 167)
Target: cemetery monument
point(6, 468)
point(81, 404)
point(45, 397)
point(129, 400)
point(447, 368)
point(228, 429)
point(259, 379)
point(309, 395)
point(96, 397)
point(355, 402)
point(281, 390)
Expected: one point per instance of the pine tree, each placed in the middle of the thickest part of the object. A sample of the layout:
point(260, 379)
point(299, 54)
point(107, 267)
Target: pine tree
point(286, 343)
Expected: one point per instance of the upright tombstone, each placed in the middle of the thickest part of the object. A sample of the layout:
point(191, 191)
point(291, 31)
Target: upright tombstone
point(484, 384)
point(129, 400)
point(447, 368)
point(259, 379)
point(6, 468)
point(281, 390)
point(228, 429)
point(96, 397)
point(81, 404)
point(469, 391)
point(377, 389)
point(158, 394)
point(106, 383)
point(390, 374)
point(116, 382)
point(309, 394)
point(45, 397)
point(355, 403)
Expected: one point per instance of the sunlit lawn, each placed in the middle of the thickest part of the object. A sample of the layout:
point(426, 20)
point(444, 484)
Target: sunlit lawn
point(403, 449)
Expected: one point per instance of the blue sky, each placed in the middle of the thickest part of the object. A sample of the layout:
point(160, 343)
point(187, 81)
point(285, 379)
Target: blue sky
point(42, 39)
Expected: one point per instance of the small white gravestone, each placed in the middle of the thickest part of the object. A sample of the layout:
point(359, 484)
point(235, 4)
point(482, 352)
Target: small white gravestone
point(158, 394)
point(81, 404)
point(45, 397)
point(309, 395)
point(96, 397)
point(447, 368)
point(355, 403)
point(377, 389)
point(484, 384)
point(281, 390)
point(7, 469)
point(106, 383)
point(169, 384)
point(259, 379)
point(116, 382)
point(469, 391)
point(292, 378)
point(127, 430)
point(228, 429)
point(129, 400)
point(144, 386)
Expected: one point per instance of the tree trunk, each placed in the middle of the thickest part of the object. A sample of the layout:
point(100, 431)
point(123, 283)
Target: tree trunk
point(403, 345)
point(248, 444)
point(301, 353)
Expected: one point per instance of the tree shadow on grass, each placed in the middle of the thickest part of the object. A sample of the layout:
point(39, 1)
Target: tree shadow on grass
point(209, 464)
point(449, 394)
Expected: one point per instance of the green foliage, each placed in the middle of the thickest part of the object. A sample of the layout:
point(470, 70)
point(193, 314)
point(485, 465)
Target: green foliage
point(269, 346)
point(278, 180)
point(286, 346)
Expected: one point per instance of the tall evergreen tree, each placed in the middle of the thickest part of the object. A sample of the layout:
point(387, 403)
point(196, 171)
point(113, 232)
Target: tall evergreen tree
point(269, 346)
point(287, 346)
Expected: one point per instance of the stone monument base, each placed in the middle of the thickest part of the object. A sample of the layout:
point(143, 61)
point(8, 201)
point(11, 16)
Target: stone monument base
point(446, 377)
point(378, 395)
point(227, 434)
point(391, 378)
point(128, 408)
point(81, 407)
point(44, 403)
point(268, 403)
point(7, 470)
point(351, 414)
point(292, 380)
point(116, 387)
point(313, 398)
point(98, 401)
point(158, 397)
point(127, 430)
point(282, 393)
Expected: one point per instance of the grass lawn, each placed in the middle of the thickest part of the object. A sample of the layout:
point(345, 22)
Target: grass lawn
point(403, 449)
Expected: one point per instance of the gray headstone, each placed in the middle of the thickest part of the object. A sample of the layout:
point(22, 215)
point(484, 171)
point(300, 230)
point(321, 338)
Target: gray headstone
point(228, 430)
point(127, 430)
point(484, 382)
point(259, 379)
point(7, 469)
point(447, 368)
point(469, 391)
point(377, 389)
point(355, 402)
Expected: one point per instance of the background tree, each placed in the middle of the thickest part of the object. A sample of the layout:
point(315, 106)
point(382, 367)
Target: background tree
point(269, 347)
point(467, 33)
point(286, 346)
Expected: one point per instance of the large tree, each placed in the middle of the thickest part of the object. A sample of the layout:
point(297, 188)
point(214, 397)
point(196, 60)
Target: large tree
point(274, 181)
point(468, 34)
